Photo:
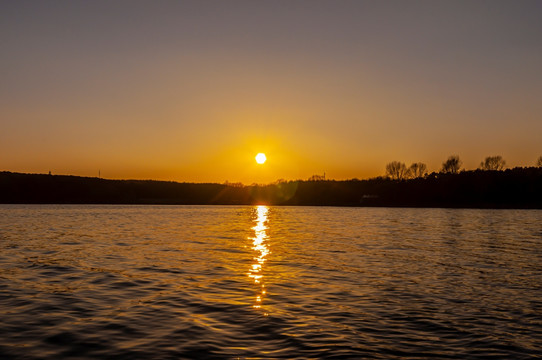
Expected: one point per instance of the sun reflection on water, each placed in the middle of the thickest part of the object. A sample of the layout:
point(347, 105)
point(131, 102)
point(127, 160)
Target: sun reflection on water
point(259, 245)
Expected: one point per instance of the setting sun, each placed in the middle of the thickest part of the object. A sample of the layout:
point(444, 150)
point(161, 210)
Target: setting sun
point(261, 158)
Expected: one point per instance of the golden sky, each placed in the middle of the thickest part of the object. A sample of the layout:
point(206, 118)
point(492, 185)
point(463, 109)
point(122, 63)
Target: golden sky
point(192, 90)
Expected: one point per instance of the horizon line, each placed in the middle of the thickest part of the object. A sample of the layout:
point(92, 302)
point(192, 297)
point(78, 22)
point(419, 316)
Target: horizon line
point(313, 178)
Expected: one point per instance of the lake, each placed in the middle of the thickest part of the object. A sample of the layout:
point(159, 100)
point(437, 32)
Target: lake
point(172, 282)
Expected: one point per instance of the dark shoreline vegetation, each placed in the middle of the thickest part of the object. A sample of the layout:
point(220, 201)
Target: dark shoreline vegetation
point(512, 188)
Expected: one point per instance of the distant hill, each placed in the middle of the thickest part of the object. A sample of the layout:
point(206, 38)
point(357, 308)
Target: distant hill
point(513, 188)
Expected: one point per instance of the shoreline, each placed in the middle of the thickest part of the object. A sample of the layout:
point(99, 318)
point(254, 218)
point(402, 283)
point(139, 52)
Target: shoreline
point(518, 188)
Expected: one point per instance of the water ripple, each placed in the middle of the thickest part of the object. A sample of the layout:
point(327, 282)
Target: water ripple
point(170, 282)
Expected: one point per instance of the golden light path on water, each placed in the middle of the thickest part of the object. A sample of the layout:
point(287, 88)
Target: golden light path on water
point(261, 250)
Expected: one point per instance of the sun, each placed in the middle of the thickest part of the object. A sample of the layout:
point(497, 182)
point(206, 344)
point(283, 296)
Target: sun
point(261, 158)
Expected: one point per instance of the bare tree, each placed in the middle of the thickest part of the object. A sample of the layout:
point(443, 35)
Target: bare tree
point(493, 163)
point(396, 170)
point(539, 162)
point(417, 170)
point(451, 165)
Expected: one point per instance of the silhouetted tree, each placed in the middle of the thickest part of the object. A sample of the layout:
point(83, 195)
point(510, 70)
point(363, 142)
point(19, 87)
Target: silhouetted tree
point(396, 170)
point(417, 170)
point(493, 163)
point(539, 162)
point(317, 178)
point(451, 165)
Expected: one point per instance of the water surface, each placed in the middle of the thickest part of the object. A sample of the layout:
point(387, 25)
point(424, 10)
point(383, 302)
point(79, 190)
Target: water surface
point(169, 282)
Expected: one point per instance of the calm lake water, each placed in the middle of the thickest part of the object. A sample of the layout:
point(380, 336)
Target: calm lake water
point(170, 282)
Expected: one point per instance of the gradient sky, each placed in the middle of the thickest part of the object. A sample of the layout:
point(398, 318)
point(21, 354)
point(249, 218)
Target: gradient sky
point(192, 90)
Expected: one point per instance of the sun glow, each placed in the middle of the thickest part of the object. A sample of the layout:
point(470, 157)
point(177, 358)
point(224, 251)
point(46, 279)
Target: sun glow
point(261, 158)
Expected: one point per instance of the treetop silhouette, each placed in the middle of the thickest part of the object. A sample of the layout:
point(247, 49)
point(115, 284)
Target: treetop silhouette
point(396, 170)
point(493, 163)
point(452, 165)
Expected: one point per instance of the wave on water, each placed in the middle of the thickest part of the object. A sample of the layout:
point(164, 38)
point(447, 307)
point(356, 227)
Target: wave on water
point(197, 282)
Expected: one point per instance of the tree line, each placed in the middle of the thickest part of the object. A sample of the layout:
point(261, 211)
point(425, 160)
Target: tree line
point(397, 170)
point(511, 188)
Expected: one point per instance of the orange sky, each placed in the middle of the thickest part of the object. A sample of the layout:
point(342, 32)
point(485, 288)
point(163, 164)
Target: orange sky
point(192, 91)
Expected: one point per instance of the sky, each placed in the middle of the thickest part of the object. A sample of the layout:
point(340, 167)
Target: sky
point(193, 90)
